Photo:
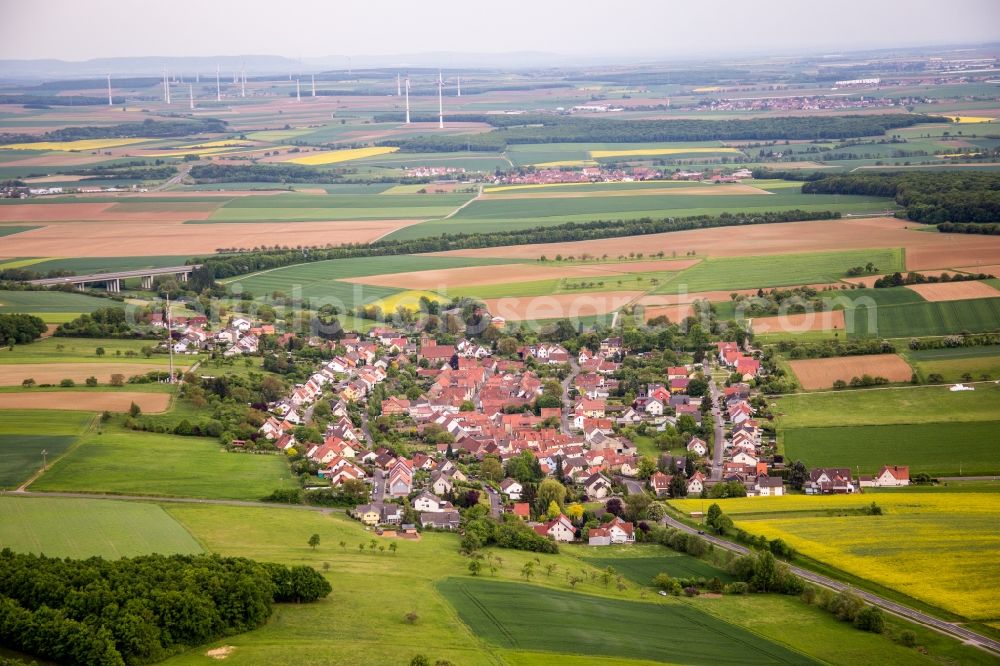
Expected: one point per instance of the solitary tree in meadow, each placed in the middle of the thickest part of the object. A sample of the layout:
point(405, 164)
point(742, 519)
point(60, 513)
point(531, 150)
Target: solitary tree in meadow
point(392, 548)
point(314, 541)
point(343, 544)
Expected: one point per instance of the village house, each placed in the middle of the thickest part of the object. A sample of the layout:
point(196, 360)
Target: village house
point(696, 483)
point(698, 446)
point(617, 531)
point(768, 486)
point(512, 489)
point(827, 481)
point(597, 486)
point(660, 484)
point(892, 477)
point(369, 514)
point(441, 520)
point(560, 529)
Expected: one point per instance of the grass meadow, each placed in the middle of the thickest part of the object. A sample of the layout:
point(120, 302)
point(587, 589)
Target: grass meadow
point(123, 462)
point(936, 547)
point(82, 528)
point(362, 621)
point(84, 350)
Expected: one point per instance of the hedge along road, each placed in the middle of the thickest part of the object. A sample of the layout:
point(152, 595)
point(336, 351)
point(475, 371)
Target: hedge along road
point(949, 628)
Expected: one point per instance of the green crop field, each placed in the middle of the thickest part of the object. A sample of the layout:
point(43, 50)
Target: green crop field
point(137, 463)
point(923, 404)
point(321, 279)
point(642, 570)
point(509, 615)
point(511, 214)
point(931, 318)
point(50, 301)
point(769, 271)
point(938, 449)
point(84, 350)
point(953, 363)
point(847, 299)
point(24, 434)
point(82, 528)
point(11, 230)
point(21, 455)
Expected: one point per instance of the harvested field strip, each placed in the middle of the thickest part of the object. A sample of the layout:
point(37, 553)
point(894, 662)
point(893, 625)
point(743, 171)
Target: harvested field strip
point(98, 401)
point(82, 528)
point(674, 313)
point(572, 306)
point(508, 614)
point(827, 320)
point(954, 291)
point(24, 263)
point(821, 373)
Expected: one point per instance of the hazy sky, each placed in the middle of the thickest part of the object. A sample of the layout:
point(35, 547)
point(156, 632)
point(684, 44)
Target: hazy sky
point(75, 30)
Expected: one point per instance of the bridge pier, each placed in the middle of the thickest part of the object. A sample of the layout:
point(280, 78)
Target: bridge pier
point(147, 282)
point(114, 286)
point(184, 276)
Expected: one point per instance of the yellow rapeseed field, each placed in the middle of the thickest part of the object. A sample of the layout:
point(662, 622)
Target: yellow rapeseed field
point(641, 152)
point(83, 144)
point(334, 156)
point(937, 547)
point(407, 299)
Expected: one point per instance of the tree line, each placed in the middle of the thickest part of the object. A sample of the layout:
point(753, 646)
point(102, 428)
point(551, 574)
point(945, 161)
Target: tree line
point(538, 128)
point(148, 128)
point(139, 610)
point(101, 323)
point(20, 328)
point(897, 279)
point(283, 173)
point(930, 198)
point(238, 262)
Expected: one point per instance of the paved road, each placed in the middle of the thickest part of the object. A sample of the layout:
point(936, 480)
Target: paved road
point(378, 486)
point(718, 447)
point(496, 504)
point(574, 370)
point(633, 486)
point(955, 630)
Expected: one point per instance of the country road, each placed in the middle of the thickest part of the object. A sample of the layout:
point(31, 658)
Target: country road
point(950, 628)
point(567, 406)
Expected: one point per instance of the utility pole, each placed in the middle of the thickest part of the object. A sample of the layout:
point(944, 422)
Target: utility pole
point(45, 454)
point(170, 342)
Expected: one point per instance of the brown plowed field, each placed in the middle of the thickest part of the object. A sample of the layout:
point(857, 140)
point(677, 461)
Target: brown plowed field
point(508, 273)
point(555, 193)
point(954, 291)
point(86, 401)
point(827, 320)
point(533, 308)
point(821, 373)
point(923, 250)
point(674, 313)
point(53, 373)
point(990, 269)
point(95, 239)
